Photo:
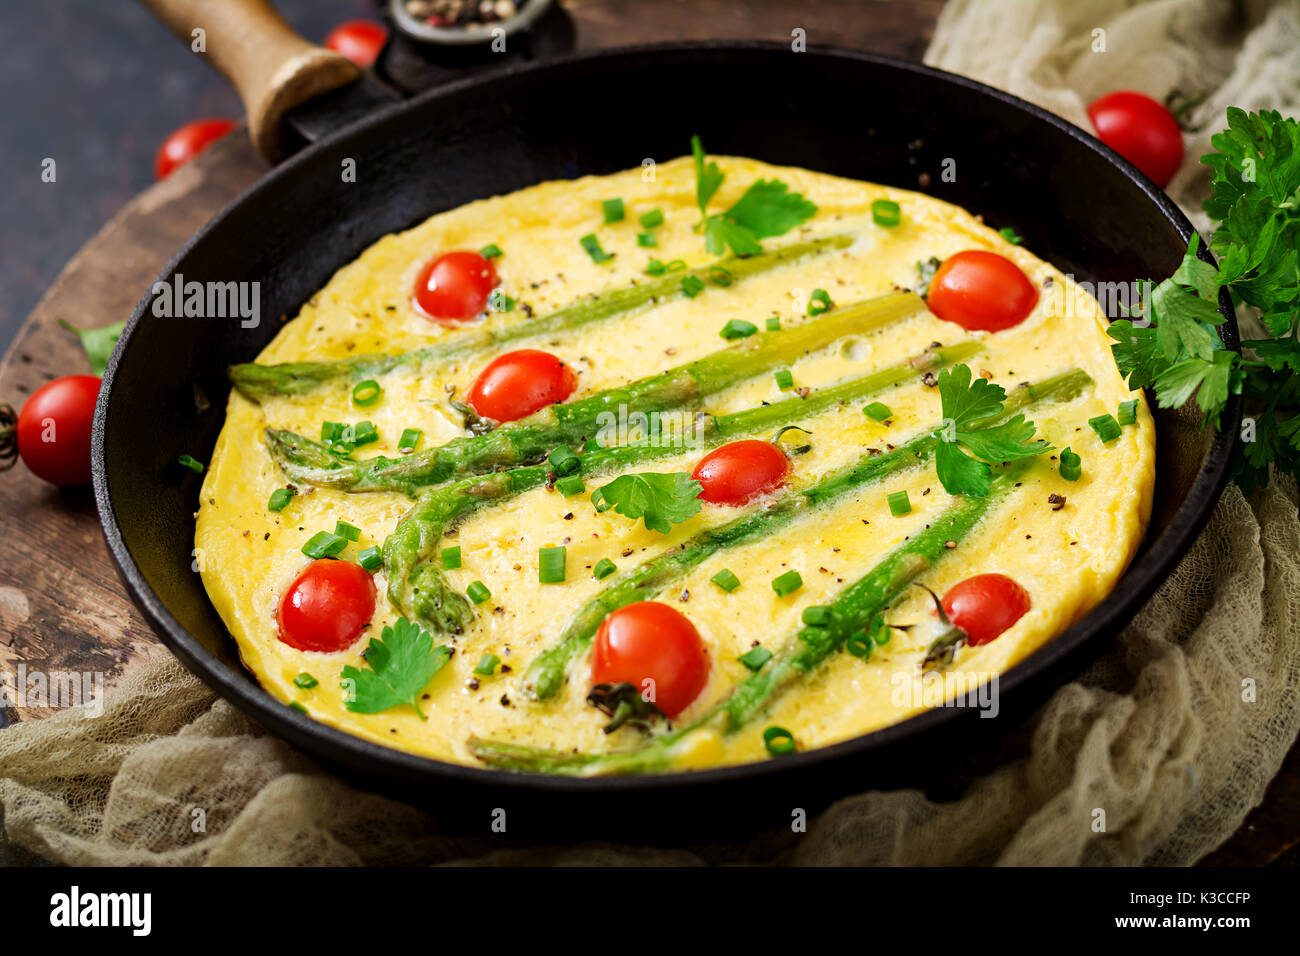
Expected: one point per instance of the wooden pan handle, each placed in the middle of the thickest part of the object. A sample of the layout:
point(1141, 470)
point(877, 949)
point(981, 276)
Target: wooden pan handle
point(271, 66)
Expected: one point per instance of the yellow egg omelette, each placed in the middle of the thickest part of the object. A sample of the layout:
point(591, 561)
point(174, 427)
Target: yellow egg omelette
point(932, 501)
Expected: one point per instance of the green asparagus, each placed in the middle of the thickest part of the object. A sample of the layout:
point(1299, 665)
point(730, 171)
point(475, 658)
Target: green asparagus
point(546, 674)
point(258, 381)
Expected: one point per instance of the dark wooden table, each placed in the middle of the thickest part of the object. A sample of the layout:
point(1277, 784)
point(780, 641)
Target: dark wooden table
point(62, 607)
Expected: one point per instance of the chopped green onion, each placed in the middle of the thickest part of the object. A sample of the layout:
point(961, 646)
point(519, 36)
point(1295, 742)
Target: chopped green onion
point(720, 276)
point(816, 615)
point(786, 584)
point(692, 286)
point(305, 681)
point(487, 665)
point(726, 580)
point(478, 592)
point(819, 302)
point(570, 486)
point(778, 741)
point(655, 268)
point(372, 558)
point(774, 323)
point(349, 531)
point(490, 251)
point(614, 211)
point(899, 503)
point(294, 705)
point(859, 644)
point(882, 633)
point(738, 329)
point(410, 438)
point(755, 657)
point(564, 460)
point(1071, 465)
point(1106, 427)
point(1128, 413)
point(878, 410)
point(363, 433)
point(885, 212)
point(1011, 236)
point(550, 564)
point(366, 393)
point(324, 544)
point(646, 240)
point(280, 499)
point(784, 378)
point(331, 432)
point(500, 302)
point(591, 246)
point(451, 557)
point(652, 218)
point(193, 464)
point(676, 265)
point(604, 568)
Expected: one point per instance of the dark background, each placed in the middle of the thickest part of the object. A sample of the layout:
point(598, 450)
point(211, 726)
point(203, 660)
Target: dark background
point(96, 85)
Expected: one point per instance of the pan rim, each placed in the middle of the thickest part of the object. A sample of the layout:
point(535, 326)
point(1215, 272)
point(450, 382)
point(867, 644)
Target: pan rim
point(1134, 588)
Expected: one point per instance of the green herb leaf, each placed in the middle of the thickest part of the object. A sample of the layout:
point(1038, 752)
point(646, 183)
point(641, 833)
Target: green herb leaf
point(663, 500)
point(708, 177)
point(97, 343)
point(399, 667)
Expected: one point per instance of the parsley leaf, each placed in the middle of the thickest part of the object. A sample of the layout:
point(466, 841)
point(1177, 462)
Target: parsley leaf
point(663, 500)
point(970, 412)
point(98, 343)
point(401, 666)
point(767, 209)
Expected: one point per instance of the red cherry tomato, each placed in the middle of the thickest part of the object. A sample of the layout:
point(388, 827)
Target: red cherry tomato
point(981, 291)
point(456, 285)
point(188, 141)
point(740, 471)
point(358, 40)
point(519, 383)
point(652, 641)
point(327, 606)
point(985, 605)
point(54, 429)
point(1141, 130)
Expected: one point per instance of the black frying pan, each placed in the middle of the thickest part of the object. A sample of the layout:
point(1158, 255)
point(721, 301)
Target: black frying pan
point(1079, 205)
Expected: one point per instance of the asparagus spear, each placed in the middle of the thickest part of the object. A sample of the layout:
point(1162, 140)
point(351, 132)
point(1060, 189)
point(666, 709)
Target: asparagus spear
point(295, 378)
point(545, 675)
point(801, 654)
point(531, 439)
point(309, 462)
point(419, 588)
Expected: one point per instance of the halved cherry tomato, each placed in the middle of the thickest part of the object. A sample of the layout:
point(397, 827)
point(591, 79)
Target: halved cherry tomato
point(740, 471)
point(1141, 130)
point(519, 383)
point(54, 429)
point(188, 141)
point(985, 605)
point(358, 40)
point(652, 641)
point(454, 286)
point(981, 291)
point(327, 606)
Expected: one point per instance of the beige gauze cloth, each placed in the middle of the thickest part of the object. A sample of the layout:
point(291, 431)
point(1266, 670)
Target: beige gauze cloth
point(1174, 733)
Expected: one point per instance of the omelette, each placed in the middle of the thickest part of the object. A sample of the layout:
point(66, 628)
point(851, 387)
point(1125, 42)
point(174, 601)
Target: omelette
point(685, 466)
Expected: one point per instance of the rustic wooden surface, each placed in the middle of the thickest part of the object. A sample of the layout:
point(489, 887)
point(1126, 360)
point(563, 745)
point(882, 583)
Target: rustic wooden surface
point(62, 607)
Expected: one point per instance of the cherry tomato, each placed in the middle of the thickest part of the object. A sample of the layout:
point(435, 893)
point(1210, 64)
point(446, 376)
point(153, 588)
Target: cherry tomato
point(358, 40)
point(985, 605)
point(981, 291)
point(652, 641)
point(740, 471)
point(519, 383)
point(54, 429)
point(1141, 130)
point(327, 606)
point(188, 141)
point(456, 285)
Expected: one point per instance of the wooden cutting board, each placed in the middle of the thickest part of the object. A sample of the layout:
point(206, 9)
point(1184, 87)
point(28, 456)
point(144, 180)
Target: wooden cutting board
point(62, 607)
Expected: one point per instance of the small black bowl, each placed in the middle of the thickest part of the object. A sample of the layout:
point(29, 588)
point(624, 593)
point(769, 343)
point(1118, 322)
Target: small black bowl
point(1079, 205)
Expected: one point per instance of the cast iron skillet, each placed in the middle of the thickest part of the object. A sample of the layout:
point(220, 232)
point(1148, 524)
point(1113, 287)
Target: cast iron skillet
point(851, 114)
